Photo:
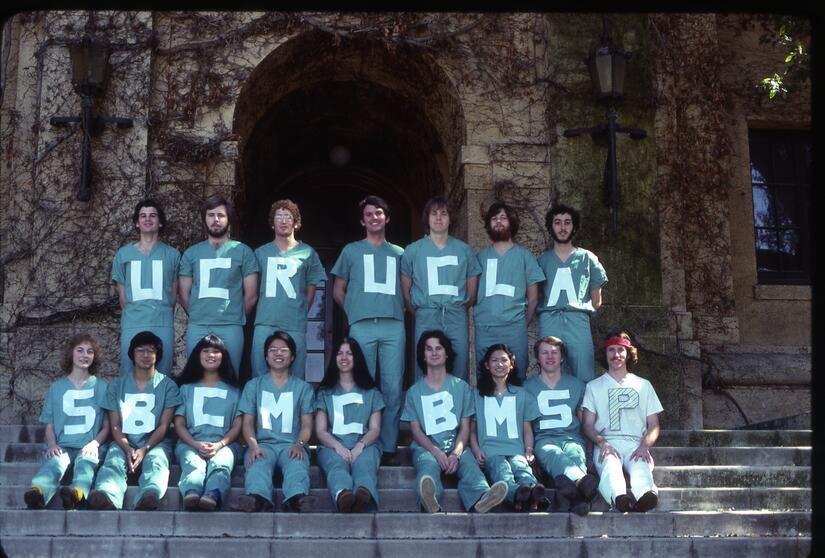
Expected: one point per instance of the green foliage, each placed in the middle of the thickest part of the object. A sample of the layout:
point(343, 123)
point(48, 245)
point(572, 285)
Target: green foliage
point(793, 35)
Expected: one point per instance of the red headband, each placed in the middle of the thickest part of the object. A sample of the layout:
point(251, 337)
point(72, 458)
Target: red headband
point(621, 341)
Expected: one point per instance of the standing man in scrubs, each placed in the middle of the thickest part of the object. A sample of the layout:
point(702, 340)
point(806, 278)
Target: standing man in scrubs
point(367, 286)
point(439, 280)
point(508, 290)
point(290, 271)
point(218, 281)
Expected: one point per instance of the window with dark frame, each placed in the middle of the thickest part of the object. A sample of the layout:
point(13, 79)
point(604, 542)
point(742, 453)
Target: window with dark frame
point(780, 163)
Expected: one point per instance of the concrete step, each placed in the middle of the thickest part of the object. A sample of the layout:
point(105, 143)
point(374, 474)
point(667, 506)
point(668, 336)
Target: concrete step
point(404, 476)
point(471, 547)
point(673, 438)
point(32, 452)
point(404, 499)
point(403, 525)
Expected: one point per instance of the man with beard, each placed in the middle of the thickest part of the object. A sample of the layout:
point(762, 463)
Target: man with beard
point(508, 288)
point(218, 281)
point(367, 286)
point(572, 291)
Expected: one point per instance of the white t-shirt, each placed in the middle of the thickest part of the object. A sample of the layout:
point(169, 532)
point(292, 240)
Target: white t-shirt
point(621, 408)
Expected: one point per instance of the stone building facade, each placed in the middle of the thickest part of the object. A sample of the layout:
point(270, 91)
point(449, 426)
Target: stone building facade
point(327, 107)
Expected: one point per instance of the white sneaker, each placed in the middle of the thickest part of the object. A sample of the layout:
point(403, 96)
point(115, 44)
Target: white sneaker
point(426, 490)
point(492, 498)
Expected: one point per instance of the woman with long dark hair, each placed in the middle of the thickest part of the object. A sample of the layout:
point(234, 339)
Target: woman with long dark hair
point(348, 424)
point(502, 431)
point(207, 424)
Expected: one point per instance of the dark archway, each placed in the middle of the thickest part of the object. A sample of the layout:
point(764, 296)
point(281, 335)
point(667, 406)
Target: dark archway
point(348, 121)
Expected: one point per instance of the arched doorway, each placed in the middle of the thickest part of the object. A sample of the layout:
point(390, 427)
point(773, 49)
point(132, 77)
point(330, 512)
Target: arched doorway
point(338, 123)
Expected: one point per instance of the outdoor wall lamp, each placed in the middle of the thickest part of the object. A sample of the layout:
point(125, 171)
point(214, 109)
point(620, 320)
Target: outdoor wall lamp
point(607, 65)
point(90, 64)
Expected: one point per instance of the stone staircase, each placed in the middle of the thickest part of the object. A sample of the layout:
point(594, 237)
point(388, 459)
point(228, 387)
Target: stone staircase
point(722, 493)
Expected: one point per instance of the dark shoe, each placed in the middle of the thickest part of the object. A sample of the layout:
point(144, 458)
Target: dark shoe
point(426, 490)
point(249, 503)
point(71, 496)
point(565, 487)
point(537, 497)
point(580, 507)
point(492, 498)
point(390, 459)
point(34, 498)
point(300, 503)
point(192, 500)
point(363, 499)
point(148, 502)
point(646, 502)
point(345, 501)
point(588, 485)
point(98, 500)
point(624, 503)
point(521, 497)
point(210, 500)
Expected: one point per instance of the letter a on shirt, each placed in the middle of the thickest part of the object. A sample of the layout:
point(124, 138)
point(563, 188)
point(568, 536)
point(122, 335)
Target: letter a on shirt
point(155, 292)
point(491, 287)
point(562, 282)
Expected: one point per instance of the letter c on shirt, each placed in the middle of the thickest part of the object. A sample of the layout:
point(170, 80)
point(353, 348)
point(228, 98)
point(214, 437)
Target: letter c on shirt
point(206, 267)
point(200, 394)
point(339, 427)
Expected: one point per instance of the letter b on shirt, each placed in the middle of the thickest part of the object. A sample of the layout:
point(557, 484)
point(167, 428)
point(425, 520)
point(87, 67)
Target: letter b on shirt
point(438, 413)
point(136, 412)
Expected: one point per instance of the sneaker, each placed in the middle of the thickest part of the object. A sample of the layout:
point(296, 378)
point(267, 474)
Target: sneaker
point(537, 497)
point(34, 498)
point(565, 487)
point(71, 496)
point(426, 490)
point(345, 501)
point(192, 500)
point(646, 502)
point(588, 485)
point(492, 497)
point(300, 503)
point(624, 503)
point(249, 503)
point(148, 502)
point(521, 497)
point(210, 500)
point(363, 499)
point(98, 500)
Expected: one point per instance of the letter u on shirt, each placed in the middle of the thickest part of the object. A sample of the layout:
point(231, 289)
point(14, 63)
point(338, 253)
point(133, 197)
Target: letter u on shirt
point(371, 285)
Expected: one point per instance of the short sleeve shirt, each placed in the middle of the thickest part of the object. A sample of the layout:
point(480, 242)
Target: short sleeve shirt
point(277, 411)
point(621, 409)
point(75, 414)
point(555, 408)
point(348, 412)
point(500, 421)
point(140, 410)
point(209, 410)
point(373, 280)
point(147, 281)
point(569, 283)
point(439, 276)
point(217, 281)
point(439, 412)
point(502, 287)
point(282, 294)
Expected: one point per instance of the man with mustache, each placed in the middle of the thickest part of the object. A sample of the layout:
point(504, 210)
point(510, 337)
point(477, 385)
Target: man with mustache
point(572, 291)
point(218, 281)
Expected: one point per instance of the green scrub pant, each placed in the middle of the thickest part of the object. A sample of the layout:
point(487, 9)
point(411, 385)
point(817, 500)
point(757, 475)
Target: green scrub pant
point(202, 475)
point(232, 336)
point(154, 474)
point(383, 340)
point(514, 470)
point(574, 329)
point(167, 336)
point(340, 475)
point(513, 334)
point(258, 479)
point(452, 320)
point(612, 482)
point(562, 456)
point(52, 470)
point(471, 481)
point(259, 365)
